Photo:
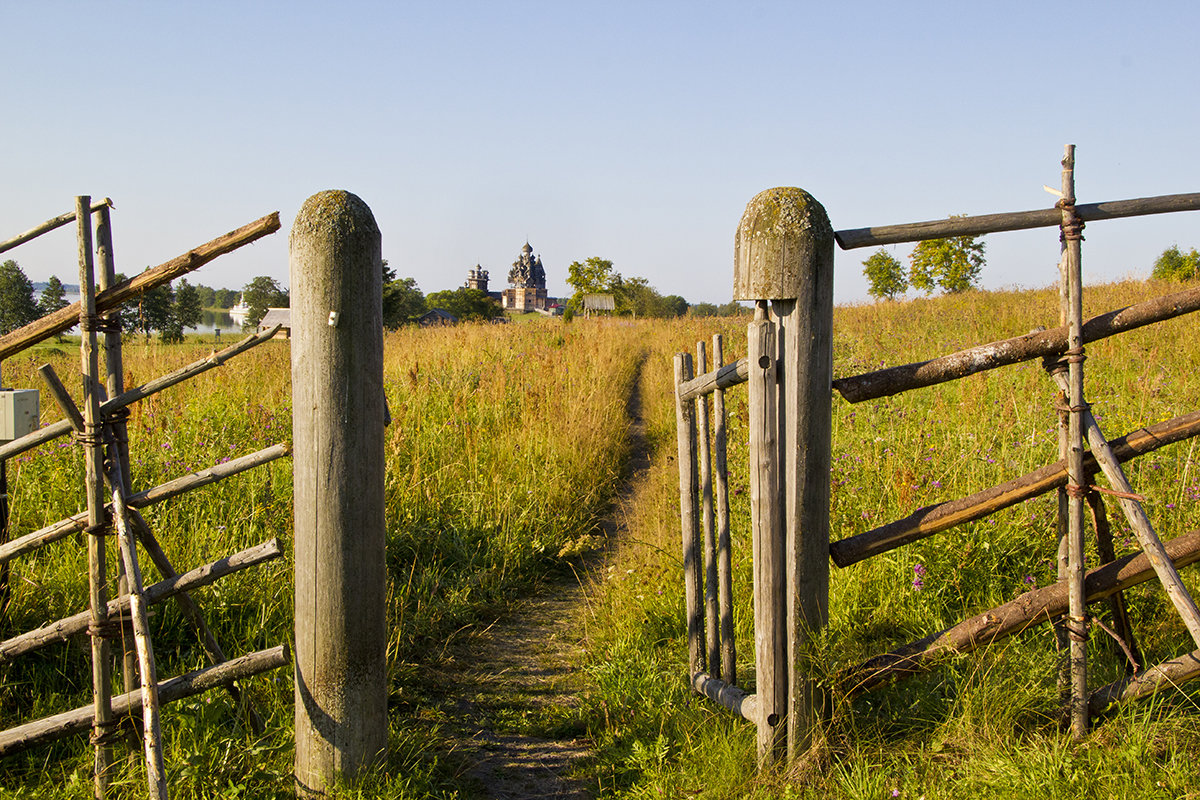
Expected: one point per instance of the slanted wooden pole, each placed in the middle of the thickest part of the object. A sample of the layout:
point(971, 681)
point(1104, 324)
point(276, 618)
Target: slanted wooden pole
point(337, 431)
point(106, 277)
point(784, 253)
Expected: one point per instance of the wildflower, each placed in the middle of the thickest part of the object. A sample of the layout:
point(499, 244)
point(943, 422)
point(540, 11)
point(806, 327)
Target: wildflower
point(918, 581)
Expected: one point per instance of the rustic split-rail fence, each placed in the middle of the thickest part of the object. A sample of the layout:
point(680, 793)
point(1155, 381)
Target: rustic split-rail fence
point(783, 260)
point(338, 421)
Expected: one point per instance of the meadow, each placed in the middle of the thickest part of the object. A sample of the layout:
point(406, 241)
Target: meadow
point(506, 447)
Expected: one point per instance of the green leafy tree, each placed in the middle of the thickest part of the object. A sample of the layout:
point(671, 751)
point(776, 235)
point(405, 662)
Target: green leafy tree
point(402, 299)
point(53, 297)
point(466, 304)
point(1175, 265)
point(156, 312)
point(226, 298)
point(188, 309)
point(593, 276)
point(885, 275)
point(732, 309)
point(207, 296)
point(260, 294)
point(702, 310)
point(954, 264)
point(17, 307)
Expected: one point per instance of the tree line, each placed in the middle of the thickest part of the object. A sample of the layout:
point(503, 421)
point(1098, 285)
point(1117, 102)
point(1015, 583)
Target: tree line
point(167, 310)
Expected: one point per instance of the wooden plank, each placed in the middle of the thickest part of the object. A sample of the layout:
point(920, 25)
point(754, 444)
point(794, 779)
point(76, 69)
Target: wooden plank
point(1040, 344)
point(720, 378)
point(712, 640)
point(1031, 608)
point(67, 317)
point(724, 550)
point(23, 737)
point(943, 516)
point(689, 516)
point(852, 238)
point(770, 562)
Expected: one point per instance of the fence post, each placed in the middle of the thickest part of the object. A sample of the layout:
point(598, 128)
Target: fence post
point(337, 430)
point(784, 253)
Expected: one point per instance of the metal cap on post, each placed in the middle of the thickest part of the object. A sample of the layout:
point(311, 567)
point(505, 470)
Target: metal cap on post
point(784, 253)
point(337, 427)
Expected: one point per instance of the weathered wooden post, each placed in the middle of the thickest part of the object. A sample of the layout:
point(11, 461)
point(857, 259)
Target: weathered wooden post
point(783, 253)
point(337, 429)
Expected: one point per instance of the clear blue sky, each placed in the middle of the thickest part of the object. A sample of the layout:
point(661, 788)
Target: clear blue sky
point(634, 131)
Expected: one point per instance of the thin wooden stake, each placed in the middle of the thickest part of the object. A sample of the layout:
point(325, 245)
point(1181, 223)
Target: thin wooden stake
point(1077, 620)
point(724, 557)
point(689, 516)
point(711, 633)
point(103, 727)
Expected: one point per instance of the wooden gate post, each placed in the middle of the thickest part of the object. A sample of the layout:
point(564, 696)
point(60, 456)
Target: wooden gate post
point(337, 429)
point(784, 253)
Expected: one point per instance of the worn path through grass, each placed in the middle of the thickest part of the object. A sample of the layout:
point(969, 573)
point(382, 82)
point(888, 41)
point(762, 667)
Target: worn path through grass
point(512, 689)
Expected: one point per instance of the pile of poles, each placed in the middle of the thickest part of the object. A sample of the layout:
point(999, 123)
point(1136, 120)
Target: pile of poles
point(98, 424)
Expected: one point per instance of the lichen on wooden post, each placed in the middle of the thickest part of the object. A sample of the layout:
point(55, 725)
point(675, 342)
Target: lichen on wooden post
point(338, 424)
point(783, 253)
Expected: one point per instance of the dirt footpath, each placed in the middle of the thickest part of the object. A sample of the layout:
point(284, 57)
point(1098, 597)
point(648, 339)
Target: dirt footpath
point(516, 684)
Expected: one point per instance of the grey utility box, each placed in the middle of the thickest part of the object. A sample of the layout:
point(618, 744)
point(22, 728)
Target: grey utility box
point(19, 413)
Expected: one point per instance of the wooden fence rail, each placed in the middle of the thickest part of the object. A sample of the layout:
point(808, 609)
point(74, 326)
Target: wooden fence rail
point(779, 252)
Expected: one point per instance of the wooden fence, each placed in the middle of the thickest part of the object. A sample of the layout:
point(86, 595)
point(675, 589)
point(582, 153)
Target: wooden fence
point(784, 262)
point(97, 423)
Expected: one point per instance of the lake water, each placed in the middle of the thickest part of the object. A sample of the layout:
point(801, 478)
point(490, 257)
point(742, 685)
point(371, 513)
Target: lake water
point(210, 321)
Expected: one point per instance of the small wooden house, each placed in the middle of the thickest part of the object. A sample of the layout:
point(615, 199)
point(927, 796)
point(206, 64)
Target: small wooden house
point(277, 316)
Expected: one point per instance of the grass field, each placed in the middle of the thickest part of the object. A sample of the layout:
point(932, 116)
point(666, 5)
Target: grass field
point(506, 446)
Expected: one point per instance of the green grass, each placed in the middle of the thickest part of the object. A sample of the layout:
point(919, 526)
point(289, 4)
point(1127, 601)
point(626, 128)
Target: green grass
point(506, 446)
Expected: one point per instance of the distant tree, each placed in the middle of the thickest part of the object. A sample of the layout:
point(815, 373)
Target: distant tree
point(53, 297)
point(702, 310)
point(885, 275)
point(1174, 265)
point(732, 309)
point(674, 306)
point(188, 309)
point(156, 312)
point(402, 300)
point(954, 264)
point(466, 304)
point(593, 276)
point(17, 307)
point(206, 295)
point(226, 298)
point(260, 294)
